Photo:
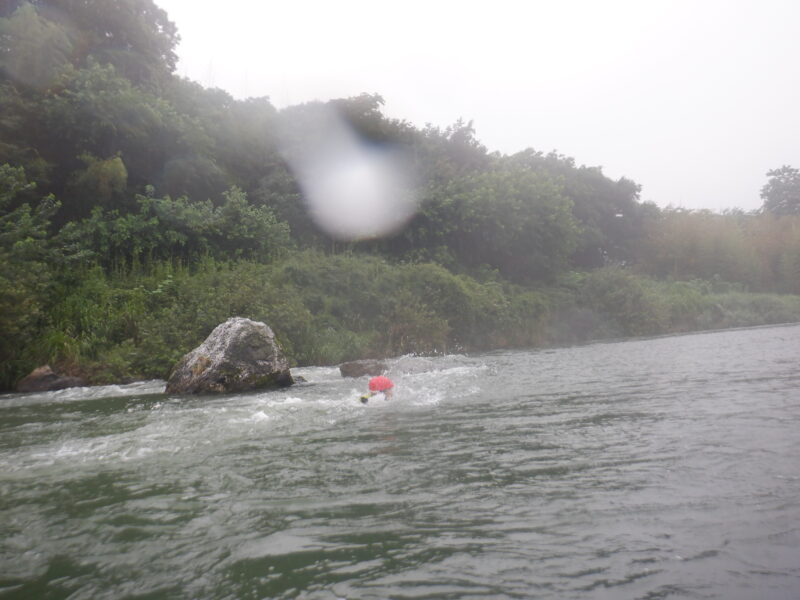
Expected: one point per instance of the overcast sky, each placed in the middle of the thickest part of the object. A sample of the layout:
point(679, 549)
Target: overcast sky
point(693, 99)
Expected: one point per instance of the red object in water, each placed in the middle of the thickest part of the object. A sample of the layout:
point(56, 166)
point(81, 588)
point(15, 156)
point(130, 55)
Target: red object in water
point(380, 384)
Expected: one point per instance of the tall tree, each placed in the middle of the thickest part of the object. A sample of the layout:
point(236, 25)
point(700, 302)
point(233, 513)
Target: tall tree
point(136, 36)
point(33, 50)
point(26, 268)
point(781, 194)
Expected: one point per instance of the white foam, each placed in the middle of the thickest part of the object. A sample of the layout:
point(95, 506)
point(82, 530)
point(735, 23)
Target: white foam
point(74, 394)
point(285, 401)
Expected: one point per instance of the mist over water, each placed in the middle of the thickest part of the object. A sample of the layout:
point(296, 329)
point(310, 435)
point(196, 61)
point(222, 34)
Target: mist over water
point(642, 469)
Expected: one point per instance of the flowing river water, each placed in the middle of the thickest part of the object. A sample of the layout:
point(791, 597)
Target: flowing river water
point(653, 468)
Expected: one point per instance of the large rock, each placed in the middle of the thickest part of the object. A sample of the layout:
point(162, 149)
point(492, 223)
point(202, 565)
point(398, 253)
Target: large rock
point(359, 368)
point(238, 356)
point(44, 379)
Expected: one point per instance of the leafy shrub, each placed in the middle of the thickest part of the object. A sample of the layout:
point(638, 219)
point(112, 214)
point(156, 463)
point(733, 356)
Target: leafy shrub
point(631, 306)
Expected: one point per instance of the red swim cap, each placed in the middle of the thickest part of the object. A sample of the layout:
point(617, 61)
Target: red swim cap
point(380, 384)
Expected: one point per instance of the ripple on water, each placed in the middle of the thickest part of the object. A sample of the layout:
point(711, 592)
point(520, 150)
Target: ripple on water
point(645, 469)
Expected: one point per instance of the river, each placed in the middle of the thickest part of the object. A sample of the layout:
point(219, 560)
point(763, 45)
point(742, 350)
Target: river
point(651, 468)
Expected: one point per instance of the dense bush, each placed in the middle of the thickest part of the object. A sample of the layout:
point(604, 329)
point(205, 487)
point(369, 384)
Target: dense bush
point(179, 230)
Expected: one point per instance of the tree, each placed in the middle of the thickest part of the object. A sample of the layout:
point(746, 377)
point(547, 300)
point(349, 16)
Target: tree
point(25, 270)
point(99, 112)
point(167, 229)
point(781, 194)
point(608, 212)
point(684, 245)
point(102, 181)
point(507, 217)
point(135, 36)
point(33, 50)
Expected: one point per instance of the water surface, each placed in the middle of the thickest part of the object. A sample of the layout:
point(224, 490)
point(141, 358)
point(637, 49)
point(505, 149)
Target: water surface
point(659, 468)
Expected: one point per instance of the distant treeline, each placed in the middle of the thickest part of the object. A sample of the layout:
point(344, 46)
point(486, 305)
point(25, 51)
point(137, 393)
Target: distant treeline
point(139, 209)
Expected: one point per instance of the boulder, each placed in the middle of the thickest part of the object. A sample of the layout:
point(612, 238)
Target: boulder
point(44, 379)
point(238, 356)
point(359, 368)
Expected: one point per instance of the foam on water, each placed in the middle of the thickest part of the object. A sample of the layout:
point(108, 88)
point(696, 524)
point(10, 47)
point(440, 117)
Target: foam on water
point(173, 425)
point(139, 388)
point(168, 425)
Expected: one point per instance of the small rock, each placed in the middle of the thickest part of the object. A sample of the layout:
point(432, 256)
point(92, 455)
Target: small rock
point(359, 368)
point(44, 379)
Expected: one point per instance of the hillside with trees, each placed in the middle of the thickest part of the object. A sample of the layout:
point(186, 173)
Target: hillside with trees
point(138, 210)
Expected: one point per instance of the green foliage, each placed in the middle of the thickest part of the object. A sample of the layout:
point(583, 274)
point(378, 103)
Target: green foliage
point(737, 309)
point(98, 112)
point(688, 305)
point(624, 304)
point(609, 216)
point(180, 230)
point(25, 272)
point(133, 35)
point(753, 250)
point(328, 309)
point(789, 269)
point(104, 181)
point(19, 120)
point(520, 225)
point(33, 50)
point(781, 194)
point(628, 306)
point(223, 141)
point(507, 217)
point(412, 308)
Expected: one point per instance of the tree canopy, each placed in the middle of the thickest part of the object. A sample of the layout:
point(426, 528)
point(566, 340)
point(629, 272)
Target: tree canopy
point(781, 194)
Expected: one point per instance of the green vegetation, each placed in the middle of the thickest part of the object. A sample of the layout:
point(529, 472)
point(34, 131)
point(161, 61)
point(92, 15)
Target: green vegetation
point(139, 210)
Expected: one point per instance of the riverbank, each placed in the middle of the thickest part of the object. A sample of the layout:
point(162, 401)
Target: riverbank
point(327, 309)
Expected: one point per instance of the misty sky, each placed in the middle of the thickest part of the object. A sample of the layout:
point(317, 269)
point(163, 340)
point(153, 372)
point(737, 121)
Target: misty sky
point(694, 100)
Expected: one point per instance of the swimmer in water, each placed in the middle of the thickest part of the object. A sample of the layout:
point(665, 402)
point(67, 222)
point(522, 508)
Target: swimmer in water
point(378, 385)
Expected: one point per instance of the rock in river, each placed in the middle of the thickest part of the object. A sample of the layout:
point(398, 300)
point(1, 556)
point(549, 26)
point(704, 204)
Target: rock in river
point(239, 355)
point(359, 368)
point(44, 379)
